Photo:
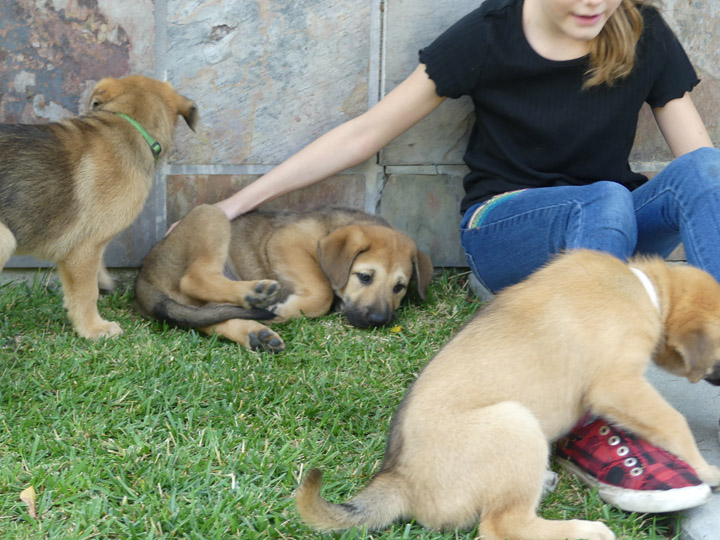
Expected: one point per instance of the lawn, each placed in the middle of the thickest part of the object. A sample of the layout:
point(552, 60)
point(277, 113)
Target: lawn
point(164, 433)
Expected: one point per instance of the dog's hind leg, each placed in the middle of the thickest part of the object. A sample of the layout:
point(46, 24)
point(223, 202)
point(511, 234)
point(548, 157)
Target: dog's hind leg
point(250, 334)
point(78, 274)
point(205, 236)
point(495, 469)
point(524, 524)
point(517, 455)
point(8, 244)
point(206, 282)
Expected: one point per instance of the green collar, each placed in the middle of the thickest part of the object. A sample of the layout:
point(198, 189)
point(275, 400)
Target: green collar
point(155, 147)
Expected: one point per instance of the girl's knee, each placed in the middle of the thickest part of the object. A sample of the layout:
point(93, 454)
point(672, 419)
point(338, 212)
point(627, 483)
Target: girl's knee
point(613, 203)
point(698, 170)
point(608, 221)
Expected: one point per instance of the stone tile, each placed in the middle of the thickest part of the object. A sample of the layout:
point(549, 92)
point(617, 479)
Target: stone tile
point(54, 52)
point(269, 77)
point(441, 138)
point(184, 192)
point(695, 24)
point(426, 208)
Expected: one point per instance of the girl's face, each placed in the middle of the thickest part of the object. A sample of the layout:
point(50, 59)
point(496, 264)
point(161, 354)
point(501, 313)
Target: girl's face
point(574, 20)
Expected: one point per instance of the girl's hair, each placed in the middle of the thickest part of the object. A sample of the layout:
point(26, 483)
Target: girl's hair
point(612, 52)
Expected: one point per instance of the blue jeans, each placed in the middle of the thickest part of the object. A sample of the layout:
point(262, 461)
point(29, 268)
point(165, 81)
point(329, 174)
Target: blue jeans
point(510, 237)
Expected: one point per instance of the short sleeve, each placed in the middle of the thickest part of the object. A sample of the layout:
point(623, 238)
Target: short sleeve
point(676, 75)
point(455, 59)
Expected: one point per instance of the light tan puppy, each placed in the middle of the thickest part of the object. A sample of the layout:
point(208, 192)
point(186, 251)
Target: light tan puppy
point(67, 188)
point(470, 439)
point(215, 275)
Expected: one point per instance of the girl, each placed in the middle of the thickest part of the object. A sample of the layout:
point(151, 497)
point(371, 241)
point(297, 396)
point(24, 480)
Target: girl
point(557, 86)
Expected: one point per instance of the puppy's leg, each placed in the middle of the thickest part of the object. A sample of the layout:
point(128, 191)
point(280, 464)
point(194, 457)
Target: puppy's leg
point(523, 524)
point(204, 281)
point(78, 274)
point(204, 238)
point(494, 468)
point(639, 407)
point(250, 334)
point(312, 294)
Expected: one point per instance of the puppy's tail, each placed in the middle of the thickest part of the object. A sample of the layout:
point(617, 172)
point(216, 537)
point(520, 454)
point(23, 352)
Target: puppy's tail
point(155, 303)
point(378, 505)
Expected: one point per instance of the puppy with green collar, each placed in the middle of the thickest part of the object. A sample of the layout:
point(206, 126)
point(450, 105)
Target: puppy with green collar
point(67, 188)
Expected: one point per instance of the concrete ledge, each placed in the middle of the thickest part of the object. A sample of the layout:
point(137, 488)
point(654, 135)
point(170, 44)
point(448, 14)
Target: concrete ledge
point(700, 403)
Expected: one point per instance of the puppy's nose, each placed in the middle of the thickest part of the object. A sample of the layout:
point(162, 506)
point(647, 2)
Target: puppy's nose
point(380, 317)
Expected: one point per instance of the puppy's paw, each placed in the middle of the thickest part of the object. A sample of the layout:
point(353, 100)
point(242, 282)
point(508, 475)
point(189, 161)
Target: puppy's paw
point(266, 340)
point(592, 530)
point(710, 475)
point(287, 309)
point(264, 294)
point(550, 482)
point(104, 329)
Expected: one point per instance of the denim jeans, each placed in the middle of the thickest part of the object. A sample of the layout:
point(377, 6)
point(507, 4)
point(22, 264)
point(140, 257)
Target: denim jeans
point(508, 238)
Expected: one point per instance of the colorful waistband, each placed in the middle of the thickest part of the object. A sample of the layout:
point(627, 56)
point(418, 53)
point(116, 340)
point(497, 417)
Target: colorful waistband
point(482, 210)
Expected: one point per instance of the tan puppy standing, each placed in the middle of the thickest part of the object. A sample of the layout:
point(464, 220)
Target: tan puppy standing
point(67, 188)
point(470, 439)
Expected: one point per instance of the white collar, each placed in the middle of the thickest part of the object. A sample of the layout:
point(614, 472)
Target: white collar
point(648, 285)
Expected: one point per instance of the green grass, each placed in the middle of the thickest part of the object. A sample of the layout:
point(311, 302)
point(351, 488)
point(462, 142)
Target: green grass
point(164, 433)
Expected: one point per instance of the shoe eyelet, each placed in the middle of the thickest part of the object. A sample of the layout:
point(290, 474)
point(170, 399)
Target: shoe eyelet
point(630, 462)
point(623, 451)
point(604, 430)
point(637, 471)
point(614, 440)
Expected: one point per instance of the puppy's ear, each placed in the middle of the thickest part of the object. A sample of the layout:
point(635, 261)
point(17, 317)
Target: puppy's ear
point(422, 272)
point(103, 92)
point(188, 110)
point(337, 251)
point(697, 350)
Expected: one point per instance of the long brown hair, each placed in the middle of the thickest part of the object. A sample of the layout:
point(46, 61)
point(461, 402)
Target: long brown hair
point(612, 52)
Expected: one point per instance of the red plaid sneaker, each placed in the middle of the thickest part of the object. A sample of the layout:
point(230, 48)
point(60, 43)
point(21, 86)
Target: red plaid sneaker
point(629, 472)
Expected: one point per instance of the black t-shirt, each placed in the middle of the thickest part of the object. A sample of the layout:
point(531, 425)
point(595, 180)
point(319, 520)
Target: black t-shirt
point(535, 126)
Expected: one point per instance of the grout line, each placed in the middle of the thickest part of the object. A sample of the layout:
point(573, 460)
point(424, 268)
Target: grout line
point(161, 39)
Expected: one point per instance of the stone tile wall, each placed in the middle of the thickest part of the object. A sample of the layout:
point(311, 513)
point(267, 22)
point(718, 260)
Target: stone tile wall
point(271, 75)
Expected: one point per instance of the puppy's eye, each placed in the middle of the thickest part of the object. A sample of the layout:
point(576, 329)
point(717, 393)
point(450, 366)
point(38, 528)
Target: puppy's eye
point(365, 279)
point(397, 289)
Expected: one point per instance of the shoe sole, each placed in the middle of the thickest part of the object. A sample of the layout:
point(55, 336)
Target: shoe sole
point(639, 501)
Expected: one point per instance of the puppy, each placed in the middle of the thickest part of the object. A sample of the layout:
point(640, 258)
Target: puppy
point(290, 263)
point(67, 188)
point(470, 439)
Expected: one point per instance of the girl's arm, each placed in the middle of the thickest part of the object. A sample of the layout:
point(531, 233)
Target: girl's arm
point(343, 147)
point(682, 126)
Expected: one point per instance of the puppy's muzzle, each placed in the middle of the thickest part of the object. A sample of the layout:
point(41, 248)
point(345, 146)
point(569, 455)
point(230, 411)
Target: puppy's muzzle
point(365, 317)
